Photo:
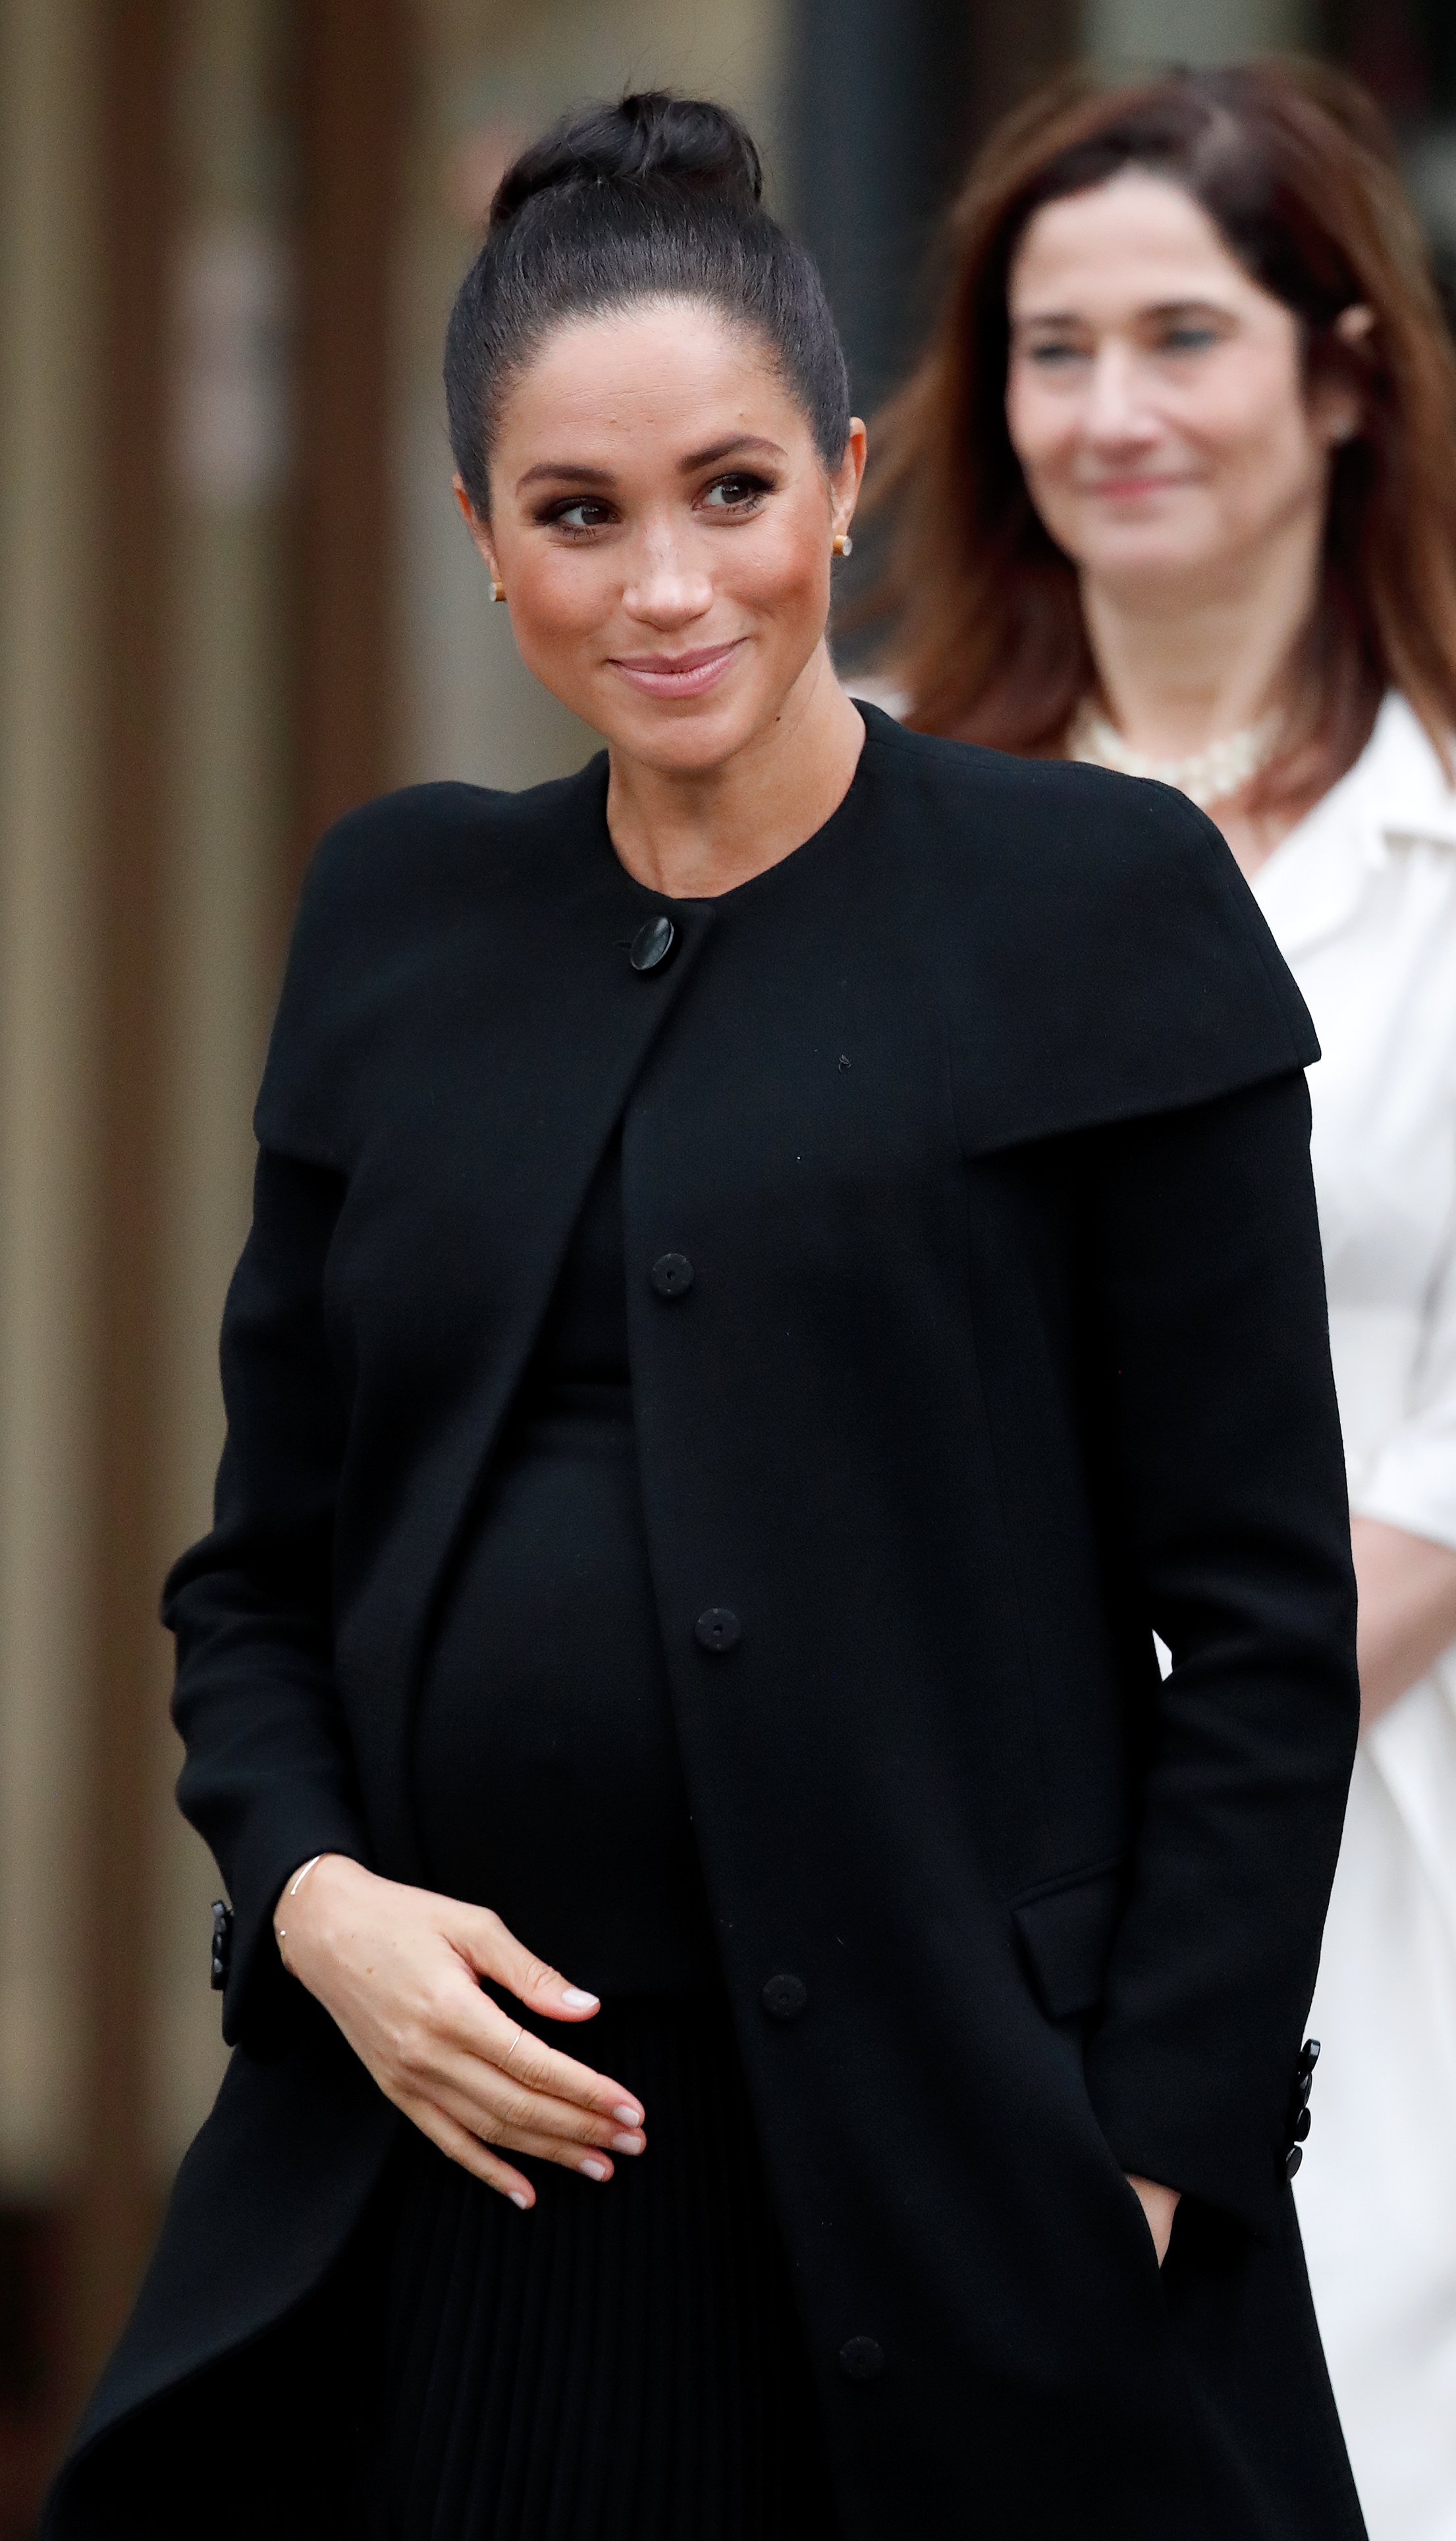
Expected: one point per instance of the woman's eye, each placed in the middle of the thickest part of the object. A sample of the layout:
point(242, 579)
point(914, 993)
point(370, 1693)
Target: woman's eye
point(1051, 354)
point(582, 512)
point(1189, 339)
point(735, 493)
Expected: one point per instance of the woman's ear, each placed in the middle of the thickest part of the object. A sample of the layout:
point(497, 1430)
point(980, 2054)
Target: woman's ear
point(479, 530)
point(1340, 405)
point(847, 479)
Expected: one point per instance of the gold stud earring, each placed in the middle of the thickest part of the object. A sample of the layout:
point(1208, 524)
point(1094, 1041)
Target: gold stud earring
point(844, 543)
point(498, 588)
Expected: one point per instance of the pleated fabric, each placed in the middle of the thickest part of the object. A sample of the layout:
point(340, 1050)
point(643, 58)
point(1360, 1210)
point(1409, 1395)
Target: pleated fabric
point(626, 2362)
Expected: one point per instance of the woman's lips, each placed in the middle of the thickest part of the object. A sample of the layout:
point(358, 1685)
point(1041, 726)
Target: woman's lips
point(676, 675)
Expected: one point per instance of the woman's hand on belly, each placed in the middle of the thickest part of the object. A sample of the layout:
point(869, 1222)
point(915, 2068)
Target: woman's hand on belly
point(398, 1969)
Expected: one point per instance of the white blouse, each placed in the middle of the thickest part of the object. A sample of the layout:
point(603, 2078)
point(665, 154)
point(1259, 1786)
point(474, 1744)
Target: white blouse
point(1362, 898)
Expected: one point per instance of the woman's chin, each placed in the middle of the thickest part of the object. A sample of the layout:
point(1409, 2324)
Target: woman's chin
point(684, 738)
point(1149, 567)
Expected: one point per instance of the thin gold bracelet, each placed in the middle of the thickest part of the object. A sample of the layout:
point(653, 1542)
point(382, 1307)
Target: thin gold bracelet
point(294, 1885)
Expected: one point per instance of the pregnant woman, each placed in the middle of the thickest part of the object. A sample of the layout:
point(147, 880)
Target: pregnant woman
point(778, 1263)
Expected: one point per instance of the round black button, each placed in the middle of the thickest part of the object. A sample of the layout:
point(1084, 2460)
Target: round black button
point(652, 943)
point(784, 1997)
point(672, 1274)
point(1292, 2159)
point(861, 2359)
point(1301, 2126)
point(1309, 2056)
point(717, 1629)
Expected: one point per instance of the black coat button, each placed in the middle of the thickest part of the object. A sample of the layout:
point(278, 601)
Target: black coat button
point(717, 1629)
point(222, 1944)
point(1301, 2126)
point(861, 2359)
point(672, 1274)
point(1292, 2159)
point(784, 1997)
point(654, 942)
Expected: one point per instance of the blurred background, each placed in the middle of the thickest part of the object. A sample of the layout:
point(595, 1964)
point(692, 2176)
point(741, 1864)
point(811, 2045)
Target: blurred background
point(235, 598)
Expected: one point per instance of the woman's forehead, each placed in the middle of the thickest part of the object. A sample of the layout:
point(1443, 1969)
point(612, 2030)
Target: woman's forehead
point(676, 375)
point(1136, 239)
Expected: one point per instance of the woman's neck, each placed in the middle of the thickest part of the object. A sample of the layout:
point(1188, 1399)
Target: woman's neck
point(695, 833)
point(1183, 665)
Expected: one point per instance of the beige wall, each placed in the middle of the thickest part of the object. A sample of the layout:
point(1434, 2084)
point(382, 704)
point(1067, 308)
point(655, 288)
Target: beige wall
point(1131, 32)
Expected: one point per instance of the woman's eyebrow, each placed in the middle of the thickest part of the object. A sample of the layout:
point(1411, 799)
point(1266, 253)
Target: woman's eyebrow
point(739, 443)
point(567, 468)
point(736, 442)
point(1190, 308)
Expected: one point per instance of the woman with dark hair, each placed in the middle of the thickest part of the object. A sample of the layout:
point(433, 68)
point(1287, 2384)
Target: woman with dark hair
point(1177, 493)
point(777, 1264)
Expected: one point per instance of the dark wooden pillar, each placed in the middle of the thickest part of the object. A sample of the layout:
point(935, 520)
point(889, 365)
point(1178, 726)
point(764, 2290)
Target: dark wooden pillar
point(353, 68)
point(116, 2206)
point(887, 99)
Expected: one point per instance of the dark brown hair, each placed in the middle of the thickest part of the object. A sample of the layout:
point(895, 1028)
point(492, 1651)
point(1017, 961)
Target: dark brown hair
point(1295, 168)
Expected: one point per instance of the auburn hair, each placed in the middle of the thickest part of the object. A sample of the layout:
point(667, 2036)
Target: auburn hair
point(1294, 165)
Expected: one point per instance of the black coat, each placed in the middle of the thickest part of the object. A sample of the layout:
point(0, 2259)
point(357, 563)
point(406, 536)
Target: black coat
point(983, 1124)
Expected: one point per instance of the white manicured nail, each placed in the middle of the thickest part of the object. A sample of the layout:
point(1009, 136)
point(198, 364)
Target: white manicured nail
point(518, 2198)
point(628, 2116)
point(634, 2142)
point(579, 2000)
point(595, 2169)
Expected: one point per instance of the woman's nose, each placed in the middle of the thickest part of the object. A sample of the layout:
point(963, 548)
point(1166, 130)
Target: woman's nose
point(666, 589)
point(1117, 409)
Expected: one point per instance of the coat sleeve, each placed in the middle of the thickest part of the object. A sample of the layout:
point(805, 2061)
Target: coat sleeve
point(1226, 1465)
point(267, 1779)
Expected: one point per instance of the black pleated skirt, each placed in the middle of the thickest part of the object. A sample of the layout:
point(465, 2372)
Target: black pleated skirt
point(626, 2362)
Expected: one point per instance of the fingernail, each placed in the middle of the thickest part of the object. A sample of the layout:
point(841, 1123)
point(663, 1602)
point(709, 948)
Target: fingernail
point(595, 2169)
point(634, 2143)
point(518, 2198)
point(579, 2000)
point(627, 2115)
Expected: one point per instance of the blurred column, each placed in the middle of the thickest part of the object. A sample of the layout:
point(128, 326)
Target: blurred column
point(354, 70)
point(128, 480)
point(887, 98)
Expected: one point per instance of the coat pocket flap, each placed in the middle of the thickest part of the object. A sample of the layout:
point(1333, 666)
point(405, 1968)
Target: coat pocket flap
point(1067, 1934)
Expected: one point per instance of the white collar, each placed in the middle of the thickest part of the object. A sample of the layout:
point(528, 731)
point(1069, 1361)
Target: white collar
point(1397, 789)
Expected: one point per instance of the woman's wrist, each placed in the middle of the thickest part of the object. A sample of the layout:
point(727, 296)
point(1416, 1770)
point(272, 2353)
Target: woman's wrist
point(295, 1909)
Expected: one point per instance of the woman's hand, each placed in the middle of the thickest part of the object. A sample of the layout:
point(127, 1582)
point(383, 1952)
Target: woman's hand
point(399, 1970)
point(1159, 2205)
point(1407, 1609)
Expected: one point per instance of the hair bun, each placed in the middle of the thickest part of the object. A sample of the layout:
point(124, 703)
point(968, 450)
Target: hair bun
point(680, 144)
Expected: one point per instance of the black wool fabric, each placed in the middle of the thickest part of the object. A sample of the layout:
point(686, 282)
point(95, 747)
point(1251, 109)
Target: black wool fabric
point(623, 2363)
point(979, 1124)
point(547, 1779)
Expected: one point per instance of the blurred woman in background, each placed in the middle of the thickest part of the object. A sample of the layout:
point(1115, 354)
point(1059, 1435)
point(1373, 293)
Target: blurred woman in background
point(1175, 492)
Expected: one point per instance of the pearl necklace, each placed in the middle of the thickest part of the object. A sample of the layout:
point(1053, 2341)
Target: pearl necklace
point(1205, 776)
